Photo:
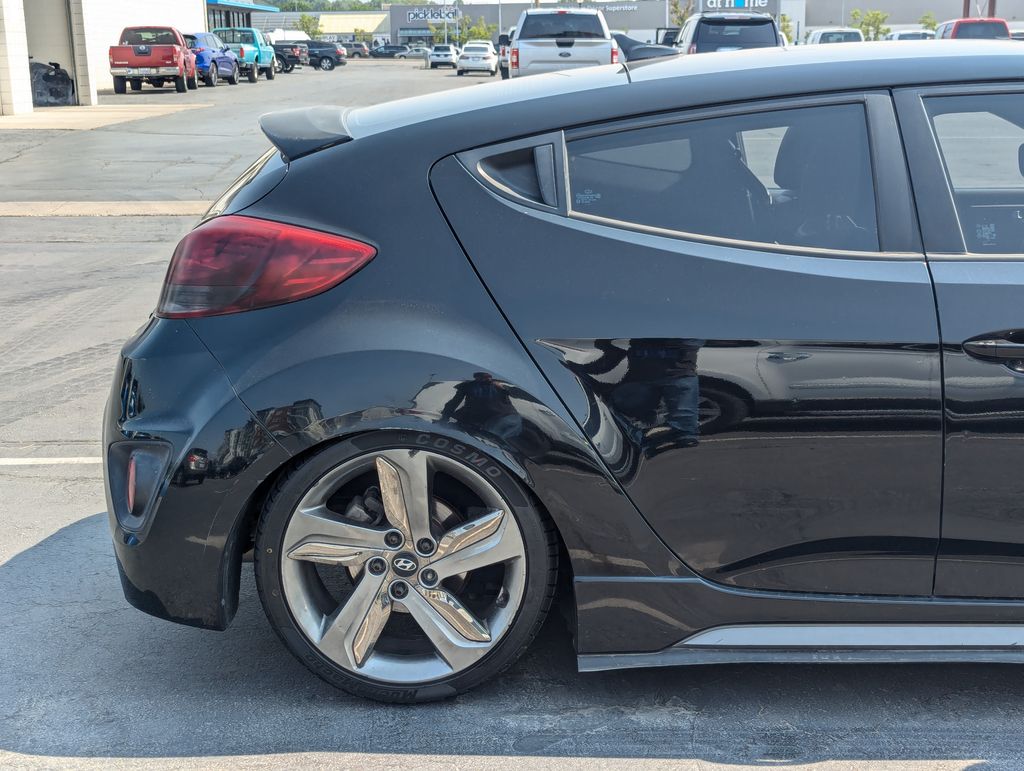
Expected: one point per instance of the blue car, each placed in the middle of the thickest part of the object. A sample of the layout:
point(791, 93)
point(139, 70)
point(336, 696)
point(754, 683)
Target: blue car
point(214, 60)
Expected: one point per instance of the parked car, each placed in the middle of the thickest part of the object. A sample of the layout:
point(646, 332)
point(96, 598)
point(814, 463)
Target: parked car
point(504, 47)
point(255, 53)
point(1017, 34)
point(711, 32)
point(973, 29)
point(911, 34)
point(443, 55)
point(388, 51)
point(155, 55)
point(547, 40)
point(214, 60)
point(357, 50)
point(835, 35)
point(821, 223)
point(414, 52)
point(477, 57)
point(325, 55)
point(289, 55)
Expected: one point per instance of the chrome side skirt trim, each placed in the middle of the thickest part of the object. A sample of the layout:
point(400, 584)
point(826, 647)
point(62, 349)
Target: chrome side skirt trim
point(860, 636)
point(829, 644)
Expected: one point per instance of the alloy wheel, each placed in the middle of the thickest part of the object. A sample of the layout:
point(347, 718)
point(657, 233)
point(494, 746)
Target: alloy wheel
point(403, 566)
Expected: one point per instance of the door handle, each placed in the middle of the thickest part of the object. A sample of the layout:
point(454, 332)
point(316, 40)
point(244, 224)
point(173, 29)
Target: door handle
point(995, 349)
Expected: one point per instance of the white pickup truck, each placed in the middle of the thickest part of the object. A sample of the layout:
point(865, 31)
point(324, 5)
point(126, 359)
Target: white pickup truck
point(547, 40)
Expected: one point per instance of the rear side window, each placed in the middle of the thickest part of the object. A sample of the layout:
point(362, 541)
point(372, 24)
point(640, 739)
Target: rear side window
point(731, 35)
point(799, 177)
point(982, 30)
point(561, 25)
point(981, 139)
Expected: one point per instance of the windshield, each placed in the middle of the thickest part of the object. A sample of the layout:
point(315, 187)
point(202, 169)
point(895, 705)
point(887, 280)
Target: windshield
point(982, 30)
point(840, 37)
point(236, 36)
point(148, 37)
point(730, 35)
point(561, 25)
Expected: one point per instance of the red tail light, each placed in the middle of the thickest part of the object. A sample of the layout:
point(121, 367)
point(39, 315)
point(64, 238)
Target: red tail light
point(295, 51)
point(198, 50)
point(513, 59)
point(615, 55)
point(241, 52)
point(692, 49)
point(236, 263)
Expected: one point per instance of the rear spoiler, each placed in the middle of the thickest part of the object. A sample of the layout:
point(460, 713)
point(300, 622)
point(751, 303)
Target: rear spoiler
point(305, 130)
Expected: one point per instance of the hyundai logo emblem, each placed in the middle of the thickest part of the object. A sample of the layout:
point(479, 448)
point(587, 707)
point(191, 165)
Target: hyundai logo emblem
point(565, 54)
point(404, 564)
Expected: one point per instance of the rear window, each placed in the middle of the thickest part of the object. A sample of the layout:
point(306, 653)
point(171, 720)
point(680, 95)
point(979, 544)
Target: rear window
point(982, 30)
point(840, 37)
point(237, 36)
point(476, 50)
point(561, 25)
point(442, 49)
point(148, 37)
point(731, 35)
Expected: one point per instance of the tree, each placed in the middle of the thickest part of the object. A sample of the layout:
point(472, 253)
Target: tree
point(786, 27)
point(479, 30)
point(679, 13)
point(310, 25)
point(361, 36)
point(928, 21)
point(870, 23)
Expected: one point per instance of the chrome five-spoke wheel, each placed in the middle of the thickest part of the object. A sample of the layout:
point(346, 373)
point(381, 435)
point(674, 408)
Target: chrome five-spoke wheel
point(401, 567)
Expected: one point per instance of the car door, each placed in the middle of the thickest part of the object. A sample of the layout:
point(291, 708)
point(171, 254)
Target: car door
point(966, 148)
point(736, 309)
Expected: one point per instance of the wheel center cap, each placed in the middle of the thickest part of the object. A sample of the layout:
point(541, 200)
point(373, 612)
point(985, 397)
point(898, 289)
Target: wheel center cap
point(405, 564)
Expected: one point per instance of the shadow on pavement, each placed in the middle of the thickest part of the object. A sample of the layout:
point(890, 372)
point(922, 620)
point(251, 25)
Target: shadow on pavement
point(84, 675)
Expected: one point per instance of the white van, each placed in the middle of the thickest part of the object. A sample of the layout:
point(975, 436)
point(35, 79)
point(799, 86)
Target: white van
point(836, 35)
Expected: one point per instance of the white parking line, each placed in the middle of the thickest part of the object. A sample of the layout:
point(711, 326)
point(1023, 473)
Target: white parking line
point(103, 208)
point(48, 461)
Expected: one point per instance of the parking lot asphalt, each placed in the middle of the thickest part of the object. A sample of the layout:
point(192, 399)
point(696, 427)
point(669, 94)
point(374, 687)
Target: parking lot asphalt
point(86, 681)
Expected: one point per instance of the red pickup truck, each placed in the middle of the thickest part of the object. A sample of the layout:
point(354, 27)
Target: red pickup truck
point(155, 55)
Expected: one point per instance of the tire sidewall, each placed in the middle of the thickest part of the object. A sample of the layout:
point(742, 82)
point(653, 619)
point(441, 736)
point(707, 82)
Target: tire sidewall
point(536, 534)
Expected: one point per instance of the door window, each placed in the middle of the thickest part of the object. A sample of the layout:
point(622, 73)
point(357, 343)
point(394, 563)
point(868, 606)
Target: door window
point(799, 177)
point(981, 139)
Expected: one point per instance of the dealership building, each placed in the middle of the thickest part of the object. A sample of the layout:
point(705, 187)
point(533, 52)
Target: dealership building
point(77, 34)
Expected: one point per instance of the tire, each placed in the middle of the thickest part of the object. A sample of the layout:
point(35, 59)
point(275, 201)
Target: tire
point(270, 72)
point(400, 56)
point(460, 73)
point(179, 84)
point(192, 81)
point(433, 65)
point(136, 84)
point(513, 595)
point(212, 76)
point(235, 75)
point(504, 73)
point(253, 73)
point(120, 84)
point(326, 63)
point(720, 410)
point(493, 73)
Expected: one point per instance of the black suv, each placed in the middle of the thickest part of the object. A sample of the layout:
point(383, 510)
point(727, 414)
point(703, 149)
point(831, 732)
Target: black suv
point(325, 55)
point(708, 32)
point(388, 51)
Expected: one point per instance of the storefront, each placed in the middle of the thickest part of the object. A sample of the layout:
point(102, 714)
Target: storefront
point(233, 13)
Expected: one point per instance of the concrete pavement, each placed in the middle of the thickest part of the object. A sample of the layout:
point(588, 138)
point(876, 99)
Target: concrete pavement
point(86, 681)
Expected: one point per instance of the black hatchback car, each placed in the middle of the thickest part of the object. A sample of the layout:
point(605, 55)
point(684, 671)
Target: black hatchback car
point(726, 351)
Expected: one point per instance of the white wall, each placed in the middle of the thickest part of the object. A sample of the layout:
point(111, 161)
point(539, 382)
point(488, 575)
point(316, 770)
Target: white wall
point(103, 21)
point(15, 86)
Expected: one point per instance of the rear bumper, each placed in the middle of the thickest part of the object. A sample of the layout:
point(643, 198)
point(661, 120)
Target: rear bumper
point(478, 66)
point(201, 456)
point(145, 72)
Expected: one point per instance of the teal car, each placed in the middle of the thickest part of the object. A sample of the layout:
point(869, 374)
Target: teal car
point(255, 53)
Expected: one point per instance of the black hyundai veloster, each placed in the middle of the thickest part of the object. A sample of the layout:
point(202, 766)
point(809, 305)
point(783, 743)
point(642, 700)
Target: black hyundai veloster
point(726, 351)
